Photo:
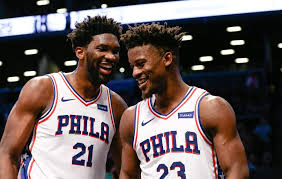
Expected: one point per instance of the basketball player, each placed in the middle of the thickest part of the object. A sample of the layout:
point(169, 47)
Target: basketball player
point(72, 117)
point(177, 131)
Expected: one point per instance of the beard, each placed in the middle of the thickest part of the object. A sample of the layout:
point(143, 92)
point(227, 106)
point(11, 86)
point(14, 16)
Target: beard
point(149, 94)
point(157, 86)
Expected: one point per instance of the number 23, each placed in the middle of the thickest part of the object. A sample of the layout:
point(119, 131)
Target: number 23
point(180, 173)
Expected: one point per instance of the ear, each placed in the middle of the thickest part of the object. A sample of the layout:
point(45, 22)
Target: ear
point(80, 52)
point(168, 59)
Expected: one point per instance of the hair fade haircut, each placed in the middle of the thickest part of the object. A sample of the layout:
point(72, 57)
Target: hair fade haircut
point(91, 26)
point(160, 36)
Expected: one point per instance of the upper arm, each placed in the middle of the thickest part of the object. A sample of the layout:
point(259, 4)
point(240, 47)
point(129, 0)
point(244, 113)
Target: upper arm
point(31, 103)
point(130, 162)
point(218, 118)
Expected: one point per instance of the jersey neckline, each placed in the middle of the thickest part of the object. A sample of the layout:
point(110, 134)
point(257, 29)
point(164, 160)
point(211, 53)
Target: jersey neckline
point(188, 95)
point(77, 95)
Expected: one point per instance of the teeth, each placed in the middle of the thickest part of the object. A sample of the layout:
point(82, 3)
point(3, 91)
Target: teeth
point(141, 81)
point(106, 67)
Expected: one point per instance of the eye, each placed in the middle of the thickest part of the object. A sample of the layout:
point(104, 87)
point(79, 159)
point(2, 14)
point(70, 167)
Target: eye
point(116, 51)
point(140, 64)
point(102, 49)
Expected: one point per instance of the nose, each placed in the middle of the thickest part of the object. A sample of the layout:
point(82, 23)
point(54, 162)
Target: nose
point(136, 72)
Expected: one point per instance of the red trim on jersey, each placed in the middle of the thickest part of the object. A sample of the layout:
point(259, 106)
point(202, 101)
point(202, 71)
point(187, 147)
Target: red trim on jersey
point(203, 135)
point(110, 106)
point(80, 98)
point(55, 103)
point(196, 119)
point(51, 112)
point(31, 165)
point(159, 116)
point(33, 141)
point(22, 163)
point(214, 164)
point(137, 125)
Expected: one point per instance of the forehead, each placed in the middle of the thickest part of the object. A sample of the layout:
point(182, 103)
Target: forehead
point(142, 52)
point(105, 39)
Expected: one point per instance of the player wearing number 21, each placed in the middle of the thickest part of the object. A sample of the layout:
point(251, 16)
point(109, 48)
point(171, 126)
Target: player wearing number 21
point(71, 117)
point(177, 131)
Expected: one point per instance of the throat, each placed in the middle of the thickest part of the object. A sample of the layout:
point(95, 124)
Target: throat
point(165, 103)
point(90, 92)
point(87, 90)
point(83, 86)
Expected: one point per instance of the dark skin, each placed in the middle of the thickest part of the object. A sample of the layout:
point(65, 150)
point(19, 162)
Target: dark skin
point(37, 95)
point(216, 115)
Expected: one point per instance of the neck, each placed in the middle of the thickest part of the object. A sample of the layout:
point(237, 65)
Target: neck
point(172, 96)
point(81, 83)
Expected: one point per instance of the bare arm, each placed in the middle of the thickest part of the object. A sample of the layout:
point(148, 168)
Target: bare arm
point(130, 163)
point(118, 106)
point(219, 119)
point(32, 101)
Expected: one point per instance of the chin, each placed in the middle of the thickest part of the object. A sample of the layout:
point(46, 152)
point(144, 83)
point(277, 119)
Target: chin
point(104, 79)
point(148, 92)
point(146, 95)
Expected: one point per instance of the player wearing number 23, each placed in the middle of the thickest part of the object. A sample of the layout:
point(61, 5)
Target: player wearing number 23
point(177, 131)
point(72, 118)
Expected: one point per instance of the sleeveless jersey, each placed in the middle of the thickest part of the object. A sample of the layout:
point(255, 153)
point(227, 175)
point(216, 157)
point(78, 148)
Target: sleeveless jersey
point(174, 145)
point(73, 138)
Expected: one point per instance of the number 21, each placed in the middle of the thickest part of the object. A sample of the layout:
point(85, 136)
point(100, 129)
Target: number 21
point(75, 159)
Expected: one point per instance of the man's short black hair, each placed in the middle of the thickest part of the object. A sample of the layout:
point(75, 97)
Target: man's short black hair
point(91, 26)
point(160, 36)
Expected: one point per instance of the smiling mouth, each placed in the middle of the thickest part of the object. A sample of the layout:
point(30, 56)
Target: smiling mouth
point(106, 69)
point(142, 82)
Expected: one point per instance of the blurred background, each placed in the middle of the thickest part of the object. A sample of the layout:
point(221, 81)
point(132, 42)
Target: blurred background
point(232, 49)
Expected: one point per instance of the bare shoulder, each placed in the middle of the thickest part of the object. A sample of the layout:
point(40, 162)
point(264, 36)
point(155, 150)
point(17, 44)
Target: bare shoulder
point(40, 82)
point(127, 122)
point(216, 112)
point(38, 86)
point(36, 93)
point(129, 113)
point(215, 103)
point(119, 105)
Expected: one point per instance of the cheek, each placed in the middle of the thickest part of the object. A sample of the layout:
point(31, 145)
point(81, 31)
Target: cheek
point(94, 56)
point(157, 75)
point(117, 57)
point(92, 63)
point(93, 53)
point(156, 69)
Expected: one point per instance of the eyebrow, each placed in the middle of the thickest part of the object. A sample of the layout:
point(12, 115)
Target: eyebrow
point(106, 46)
point(140, 60)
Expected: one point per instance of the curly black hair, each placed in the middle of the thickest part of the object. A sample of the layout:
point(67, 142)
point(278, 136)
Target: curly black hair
point(84, 32)
point(160, 36)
